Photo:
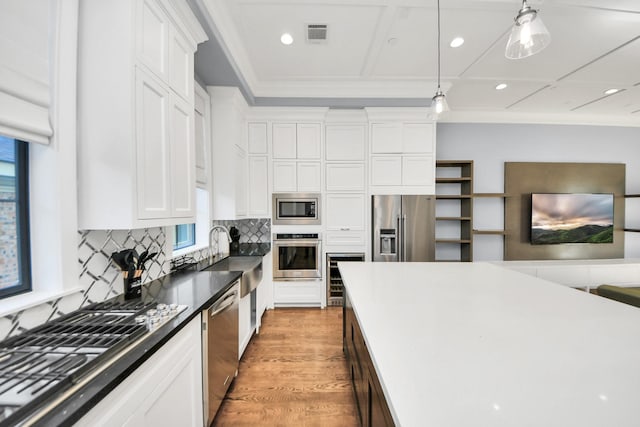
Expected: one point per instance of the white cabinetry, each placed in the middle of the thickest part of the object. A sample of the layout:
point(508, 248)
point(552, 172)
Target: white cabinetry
point(166, 390)
point(257, 138)
point(299, 147)
point(403, 157)
point(285, 177)
point(345, 142)
point(136, 151)
point(345, 219)
point(345, 177)
point(258, 186)
point(202, 132)
point(229, 156)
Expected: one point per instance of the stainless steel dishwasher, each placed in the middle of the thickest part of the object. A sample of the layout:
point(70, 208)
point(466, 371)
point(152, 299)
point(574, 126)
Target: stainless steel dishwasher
point(220, 349)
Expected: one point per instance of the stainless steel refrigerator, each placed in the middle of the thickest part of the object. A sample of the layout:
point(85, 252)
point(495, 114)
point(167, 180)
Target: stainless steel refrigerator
point(403, 228)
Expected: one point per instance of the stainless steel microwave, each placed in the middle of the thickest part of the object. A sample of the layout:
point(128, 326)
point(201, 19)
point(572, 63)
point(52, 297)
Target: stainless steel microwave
point(296, 209)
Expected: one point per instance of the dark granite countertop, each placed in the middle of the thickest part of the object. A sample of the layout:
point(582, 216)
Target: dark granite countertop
point(196, 289)
point(192, 287)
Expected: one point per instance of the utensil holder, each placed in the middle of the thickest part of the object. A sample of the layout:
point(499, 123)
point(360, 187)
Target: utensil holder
point(133, 285)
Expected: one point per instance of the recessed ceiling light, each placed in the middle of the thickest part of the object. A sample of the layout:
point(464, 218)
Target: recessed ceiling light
point(501, 86)
point(286, 39)
point(610, 91)
point(457, 42)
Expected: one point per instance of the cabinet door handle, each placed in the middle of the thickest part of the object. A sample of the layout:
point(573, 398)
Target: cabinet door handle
point(345, 228)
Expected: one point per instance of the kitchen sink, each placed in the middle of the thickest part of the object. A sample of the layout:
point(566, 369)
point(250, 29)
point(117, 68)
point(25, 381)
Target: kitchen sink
point(250, 266)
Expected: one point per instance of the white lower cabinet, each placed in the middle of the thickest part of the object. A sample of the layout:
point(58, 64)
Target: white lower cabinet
point(264, 295)
point(166, 390)
point(303, 293)
point(245, 329)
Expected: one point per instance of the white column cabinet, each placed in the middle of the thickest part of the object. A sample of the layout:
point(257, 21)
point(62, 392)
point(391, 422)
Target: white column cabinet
point(166, 390)
point(136, 149)
point(241, 182)
point(258, 186)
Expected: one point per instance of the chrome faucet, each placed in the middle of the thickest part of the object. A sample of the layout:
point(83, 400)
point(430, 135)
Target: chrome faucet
point(213, 229)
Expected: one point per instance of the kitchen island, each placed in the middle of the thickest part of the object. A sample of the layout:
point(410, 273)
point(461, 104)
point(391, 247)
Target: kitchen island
point(476, 344)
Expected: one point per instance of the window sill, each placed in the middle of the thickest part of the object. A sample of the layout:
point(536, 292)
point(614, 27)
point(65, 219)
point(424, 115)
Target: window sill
point(16, 303)
point(188, 250)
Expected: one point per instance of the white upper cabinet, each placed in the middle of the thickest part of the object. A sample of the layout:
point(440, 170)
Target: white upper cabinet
point(386, 170)
point(402, 138)
point(152, 37)
point(386, 138)
point(153, 149)
point(308, 177)
point(297, 141)
point(240, 170)
point(345, 177)
point(418, 138)
point(183, 158)
point(180, 65)
point(284, 141)
point(418, 171)
point(257, 138)
point(202, 132)
point(136, 130)
point(345, 142)
point(285, 177)
point(308, 136)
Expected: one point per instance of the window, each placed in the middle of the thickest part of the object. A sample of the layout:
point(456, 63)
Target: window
point(15, 262)
point(184, 235)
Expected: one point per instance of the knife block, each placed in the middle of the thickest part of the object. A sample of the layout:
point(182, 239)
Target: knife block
point(133, 285)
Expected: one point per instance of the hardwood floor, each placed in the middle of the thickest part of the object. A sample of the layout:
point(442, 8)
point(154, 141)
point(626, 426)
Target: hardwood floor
point(293, 374)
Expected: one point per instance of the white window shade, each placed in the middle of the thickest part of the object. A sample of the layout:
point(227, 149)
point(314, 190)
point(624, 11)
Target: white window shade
point(25, 46)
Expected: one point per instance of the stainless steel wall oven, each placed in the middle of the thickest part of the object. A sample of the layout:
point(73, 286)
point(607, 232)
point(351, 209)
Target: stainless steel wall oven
point(296, 209)
point(297, 256)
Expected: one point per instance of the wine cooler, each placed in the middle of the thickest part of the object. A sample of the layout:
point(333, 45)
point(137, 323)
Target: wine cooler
point(334, 281)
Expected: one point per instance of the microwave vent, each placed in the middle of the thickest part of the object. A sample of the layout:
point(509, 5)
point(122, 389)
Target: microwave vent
point(317, 33)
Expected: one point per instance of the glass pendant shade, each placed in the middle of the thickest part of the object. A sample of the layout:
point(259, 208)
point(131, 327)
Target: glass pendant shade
point(439, 103)
point(528, 35)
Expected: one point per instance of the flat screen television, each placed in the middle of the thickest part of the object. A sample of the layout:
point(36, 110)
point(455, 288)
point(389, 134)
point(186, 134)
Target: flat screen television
point(571, 218)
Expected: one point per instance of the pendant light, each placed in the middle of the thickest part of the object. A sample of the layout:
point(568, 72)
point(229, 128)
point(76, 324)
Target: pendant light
point(528, 34)
point(439, 102)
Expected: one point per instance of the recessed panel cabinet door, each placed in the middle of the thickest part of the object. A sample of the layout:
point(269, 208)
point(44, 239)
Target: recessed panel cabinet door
point(258, 186)
point(345, 142)
point(152, 148)
point(284, 177)
point(180, 65)
point(308, 136)
point(183, 158)
point(345, 212)
point(386, 170)
point(309, 177)
point(418, 170)
point(152, 35)
point(284, 141)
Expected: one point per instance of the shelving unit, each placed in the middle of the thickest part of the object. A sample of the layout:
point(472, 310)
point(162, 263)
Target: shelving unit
point(454, 184)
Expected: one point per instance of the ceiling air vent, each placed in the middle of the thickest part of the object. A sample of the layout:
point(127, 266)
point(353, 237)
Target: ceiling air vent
point(316, 33)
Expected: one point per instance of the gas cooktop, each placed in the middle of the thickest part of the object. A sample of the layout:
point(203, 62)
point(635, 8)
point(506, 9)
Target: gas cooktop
point(46, 360)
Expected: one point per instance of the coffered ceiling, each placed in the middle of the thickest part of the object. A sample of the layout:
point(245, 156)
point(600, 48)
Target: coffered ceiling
point(384, 52)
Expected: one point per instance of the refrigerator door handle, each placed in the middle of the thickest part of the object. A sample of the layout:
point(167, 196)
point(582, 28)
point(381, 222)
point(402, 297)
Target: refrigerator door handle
point(404, 237)
point(400, 242)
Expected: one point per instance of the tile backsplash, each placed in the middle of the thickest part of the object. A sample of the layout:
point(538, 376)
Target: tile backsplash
point(98, 276)
point(252, 230)
point(100, 279)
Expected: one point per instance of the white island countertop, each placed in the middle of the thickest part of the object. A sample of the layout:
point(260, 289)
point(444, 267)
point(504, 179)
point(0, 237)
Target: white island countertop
point(473, 344)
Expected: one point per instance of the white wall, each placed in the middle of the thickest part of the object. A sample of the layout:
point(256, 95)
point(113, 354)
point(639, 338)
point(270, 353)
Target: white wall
point(490, 145)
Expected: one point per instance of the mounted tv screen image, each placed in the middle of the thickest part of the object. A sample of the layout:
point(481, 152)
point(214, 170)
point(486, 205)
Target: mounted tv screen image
point(571, 218)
